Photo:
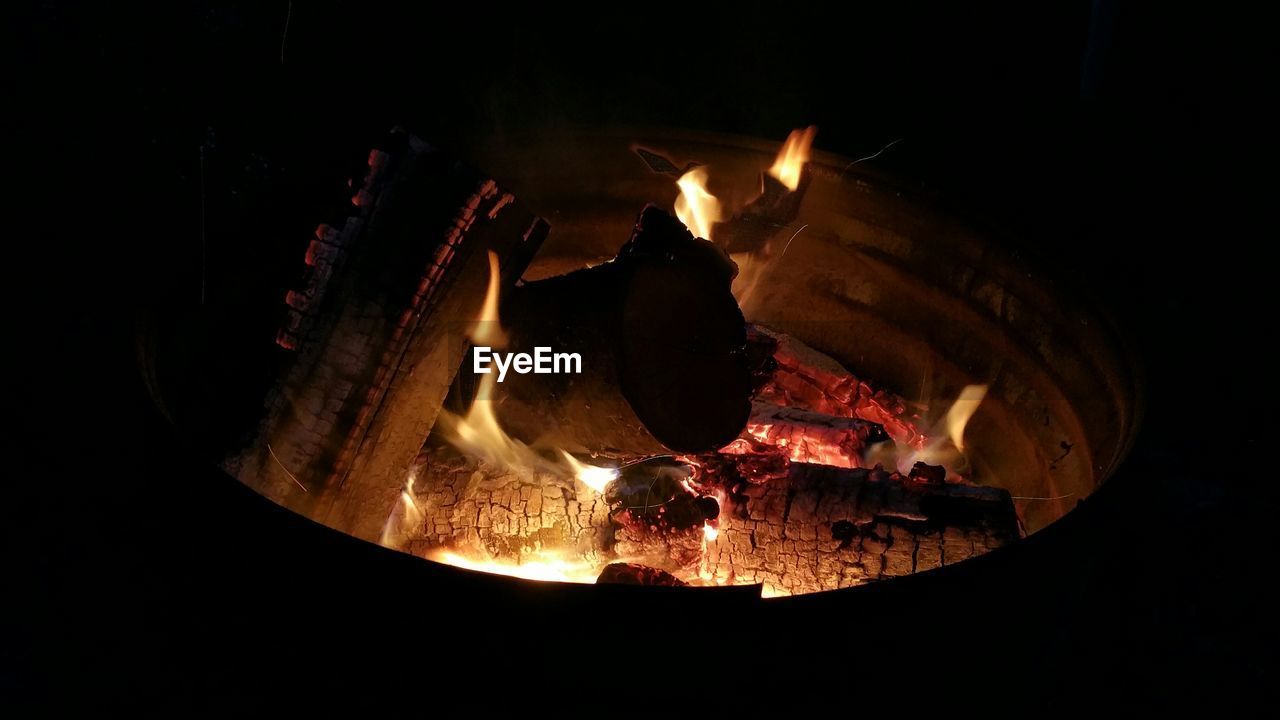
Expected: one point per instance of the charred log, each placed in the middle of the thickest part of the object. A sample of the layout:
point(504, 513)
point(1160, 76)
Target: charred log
point(811, 437)
point(823, 528)
point(661, 341)
point(635, 574)
point(802, 377)
point(816, 528)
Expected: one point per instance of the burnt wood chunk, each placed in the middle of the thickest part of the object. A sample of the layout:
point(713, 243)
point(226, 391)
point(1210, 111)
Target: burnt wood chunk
point(372, 343)
point(823, 528)
point(811, 437)
point(662, 345)
point(813, 528)
point(636, 574)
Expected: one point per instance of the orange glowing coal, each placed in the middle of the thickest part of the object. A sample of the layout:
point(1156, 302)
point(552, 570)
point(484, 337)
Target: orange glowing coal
point(697, 208)
point(793, 156)
point(545, 565)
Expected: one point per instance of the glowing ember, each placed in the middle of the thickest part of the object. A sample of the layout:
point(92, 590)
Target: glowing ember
point(698, 209)
point(792, 157)
point(814, 432)
point(549, 566)
point(596, 478)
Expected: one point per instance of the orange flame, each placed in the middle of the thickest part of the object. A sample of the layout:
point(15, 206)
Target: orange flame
point(698, 209)
point(946, 446)
point(479, 434)
point(488, 330)
point(963, 409)
point(793, 156)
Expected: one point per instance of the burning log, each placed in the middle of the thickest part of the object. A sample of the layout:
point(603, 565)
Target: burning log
point(374, 338)
point(468, 505)
point(812, 528)
point(661, 341)
point(633, 574)
point(822, 528)
point(812, 437)
point(801, 377)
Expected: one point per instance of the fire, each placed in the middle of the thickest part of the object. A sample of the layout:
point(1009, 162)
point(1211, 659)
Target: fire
point(697, 208)
point(963, 409)
point(596, 478)
point(479, 434)
point(549, 566)
point(488, 330)
point(946, 445)
point(793, 156)
point(709, 532)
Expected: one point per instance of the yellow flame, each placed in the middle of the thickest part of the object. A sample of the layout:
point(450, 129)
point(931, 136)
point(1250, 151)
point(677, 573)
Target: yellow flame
point(548, 566)
point(710, 533)
point(596, 478)
point(793, 156)
point(698, 209)
point(963, 409)
point(488, 330)
point(479, 434)
point(406, 519)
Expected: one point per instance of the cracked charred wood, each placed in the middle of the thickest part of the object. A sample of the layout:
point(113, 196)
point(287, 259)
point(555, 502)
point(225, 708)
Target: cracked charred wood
point(815, 528)
point(662, 346)
point(465, 504)
point(805, 378)
point(811, 437)
point(822, 528)
point(635, 574)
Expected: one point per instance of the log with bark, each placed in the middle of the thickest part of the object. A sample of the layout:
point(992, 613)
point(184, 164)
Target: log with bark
point(662, 345)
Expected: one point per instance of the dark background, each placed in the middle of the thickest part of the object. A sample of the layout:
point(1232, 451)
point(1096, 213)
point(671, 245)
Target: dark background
point(1129, 147)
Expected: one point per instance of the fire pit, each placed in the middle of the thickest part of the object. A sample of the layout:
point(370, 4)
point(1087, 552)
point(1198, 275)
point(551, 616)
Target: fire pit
point(822, 382)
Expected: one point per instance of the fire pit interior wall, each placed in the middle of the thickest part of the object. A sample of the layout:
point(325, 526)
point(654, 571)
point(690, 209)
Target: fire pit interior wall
point(895, 289)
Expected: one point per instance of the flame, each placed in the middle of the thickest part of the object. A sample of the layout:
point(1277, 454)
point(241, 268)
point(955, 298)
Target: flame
point(792, 157)
point(709, 532)
point(488, 330)
point(698, 209)
point(402, 520)
point(963, 409)
point(549, 567)
point(479, 434)
point(596, 478)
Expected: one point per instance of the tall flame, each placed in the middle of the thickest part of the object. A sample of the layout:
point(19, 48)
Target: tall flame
point(963, 409)
point(479, 434)
point(488, 330)
point(697, 208)
point(793, 156)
